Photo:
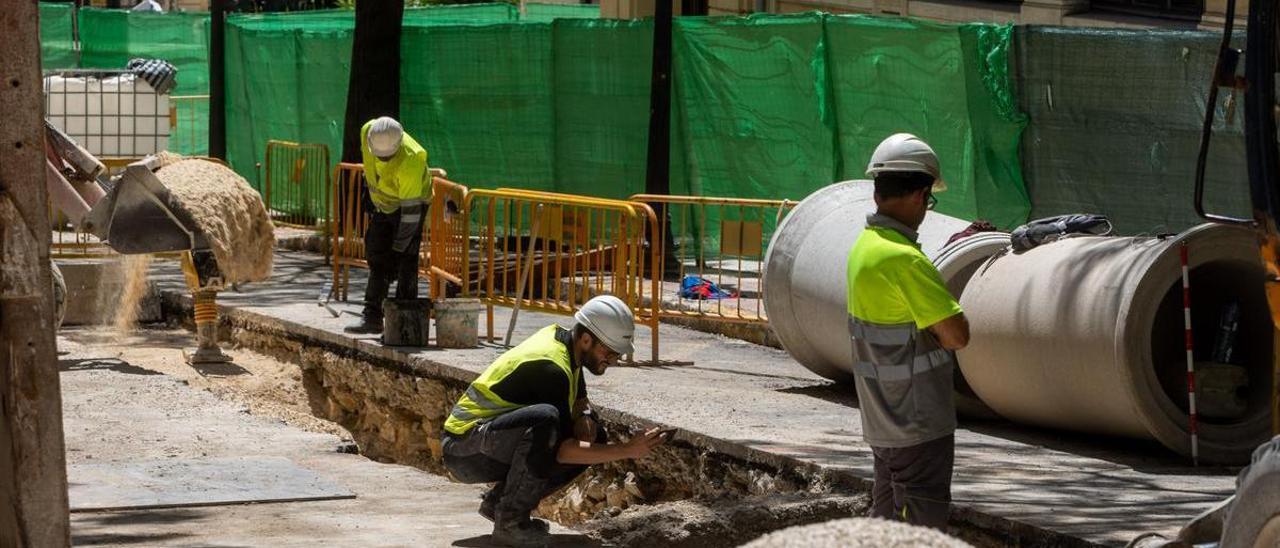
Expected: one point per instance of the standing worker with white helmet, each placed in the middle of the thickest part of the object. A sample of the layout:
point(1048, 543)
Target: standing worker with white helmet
point(904, 325)
point(399, 185)
point(525, 422)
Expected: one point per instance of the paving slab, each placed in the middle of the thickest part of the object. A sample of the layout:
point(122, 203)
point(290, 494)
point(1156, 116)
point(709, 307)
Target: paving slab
point(175, 483)
point(756, 403)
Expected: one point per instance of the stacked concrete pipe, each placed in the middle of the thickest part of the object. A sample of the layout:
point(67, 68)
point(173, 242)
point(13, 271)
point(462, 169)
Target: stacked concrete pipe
point(1083, 334)
point(1086, 334)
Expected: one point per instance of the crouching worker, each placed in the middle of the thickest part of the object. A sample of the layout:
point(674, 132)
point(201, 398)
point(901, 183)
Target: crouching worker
point(526, 425)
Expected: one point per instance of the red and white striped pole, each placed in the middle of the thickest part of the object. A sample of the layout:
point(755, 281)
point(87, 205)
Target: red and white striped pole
point(1191, 364)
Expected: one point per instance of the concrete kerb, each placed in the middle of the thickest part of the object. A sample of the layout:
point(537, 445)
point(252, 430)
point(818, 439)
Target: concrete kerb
point(179, 304)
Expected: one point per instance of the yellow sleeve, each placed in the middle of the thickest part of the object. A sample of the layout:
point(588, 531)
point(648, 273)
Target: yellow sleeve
point(414, 179)
point(924, 292)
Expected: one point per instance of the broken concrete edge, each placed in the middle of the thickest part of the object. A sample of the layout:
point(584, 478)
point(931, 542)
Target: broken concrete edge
point(313, 243)
point(180, 305)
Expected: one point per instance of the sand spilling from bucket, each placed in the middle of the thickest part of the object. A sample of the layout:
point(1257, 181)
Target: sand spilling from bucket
point(135, 288)
point(228, 211)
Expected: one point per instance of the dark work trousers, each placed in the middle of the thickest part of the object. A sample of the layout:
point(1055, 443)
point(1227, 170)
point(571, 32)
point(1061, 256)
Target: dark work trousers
point(517, 450)
point(386, 265)
point(913, 484)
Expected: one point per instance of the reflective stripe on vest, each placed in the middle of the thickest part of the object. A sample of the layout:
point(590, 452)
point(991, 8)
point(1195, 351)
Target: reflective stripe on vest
point(894, 352)
point(479, 404)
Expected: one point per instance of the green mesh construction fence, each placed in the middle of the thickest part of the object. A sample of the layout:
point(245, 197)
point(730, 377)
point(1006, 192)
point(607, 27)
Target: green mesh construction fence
point(777, 106)
point(767, 106)
point(56, 46)
point(110, 38)
point(600, 77)
point(752, 107)
point(1125, 143)
point(286, 82)
point(949, 85)
point(479, 99)
point(302, 97)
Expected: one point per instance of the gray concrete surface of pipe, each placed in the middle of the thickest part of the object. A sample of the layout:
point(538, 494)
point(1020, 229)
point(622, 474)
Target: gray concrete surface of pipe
point(957, 262)
point(1086, 334)
point(804, 276)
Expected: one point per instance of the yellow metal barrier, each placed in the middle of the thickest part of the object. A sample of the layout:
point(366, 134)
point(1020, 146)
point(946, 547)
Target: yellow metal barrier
point(347, 225)
point(552, 252)
point(722, 240)
point(447, 237)
point(184, 133)
point(444, 241)
point(297, 191)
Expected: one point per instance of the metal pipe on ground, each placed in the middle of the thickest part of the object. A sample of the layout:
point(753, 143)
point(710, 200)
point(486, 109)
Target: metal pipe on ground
point(1087, 334)
point(804, 280)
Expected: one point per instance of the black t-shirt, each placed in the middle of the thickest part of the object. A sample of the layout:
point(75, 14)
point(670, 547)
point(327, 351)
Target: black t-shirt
point(542, 381)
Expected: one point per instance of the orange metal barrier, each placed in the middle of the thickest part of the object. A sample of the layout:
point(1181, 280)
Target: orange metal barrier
point(297, 191)
point(347, 225)
point(552, 252)
point(444, 241)
point(447, 237)
point(722, 240)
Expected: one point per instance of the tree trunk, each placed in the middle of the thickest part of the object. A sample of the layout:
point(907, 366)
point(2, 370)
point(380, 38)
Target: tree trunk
point(658, 169)
point(33, 473)
point(217, 82)
point(375, 70)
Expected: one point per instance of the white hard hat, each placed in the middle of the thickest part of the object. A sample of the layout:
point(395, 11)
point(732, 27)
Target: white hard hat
point(610, 320)
point(904, 153)
point(384, 136)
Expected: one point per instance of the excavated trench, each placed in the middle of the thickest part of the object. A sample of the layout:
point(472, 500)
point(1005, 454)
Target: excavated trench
point(684, 494)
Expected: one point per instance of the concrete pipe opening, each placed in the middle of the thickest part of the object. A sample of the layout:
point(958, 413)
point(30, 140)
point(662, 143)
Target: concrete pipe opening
point(1086, 334)
point(805, 294)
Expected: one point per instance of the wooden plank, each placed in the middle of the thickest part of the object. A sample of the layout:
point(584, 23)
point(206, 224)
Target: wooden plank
point(33, 481)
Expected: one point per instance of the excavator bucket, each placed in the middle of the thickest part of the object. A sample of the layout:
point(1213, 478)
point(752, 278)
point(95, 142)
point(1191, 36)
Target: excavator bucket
point(138, 215)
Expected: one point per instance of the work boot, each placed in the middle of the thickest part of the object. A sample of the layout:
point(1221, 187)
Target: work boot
point(364, 326)
point(524, 533)
point(489, 501)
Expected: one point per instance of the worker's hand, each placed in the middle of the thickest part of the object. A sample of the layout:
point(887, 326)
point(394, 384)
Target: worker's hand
point(644, 442)
point(584, 429)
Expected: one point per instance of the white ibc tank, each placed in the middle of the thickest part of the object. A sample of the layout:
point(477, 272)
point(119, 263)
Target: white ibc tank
point(110, 114)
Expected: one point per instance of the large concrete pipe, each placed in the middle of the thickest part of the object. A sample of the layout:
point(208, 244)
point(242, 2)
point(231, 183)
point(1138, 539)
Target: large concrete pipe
point(804, 275)
point(1086, 334)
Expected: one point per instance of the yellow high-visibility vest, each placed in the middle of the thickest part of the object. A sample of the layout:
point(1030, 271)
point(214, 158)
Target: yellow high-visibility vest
point(479, 403)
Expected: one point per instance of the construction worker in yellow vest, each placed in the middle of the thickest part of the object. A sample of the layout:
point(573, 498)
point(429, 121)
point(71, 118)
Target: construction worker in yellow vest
point(904, 325)
point(526, 424)
point(399, 189)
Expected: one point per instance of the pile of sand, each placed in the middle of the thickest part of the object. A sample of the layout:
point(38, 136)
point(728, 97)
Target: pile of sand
point(228, 211)
point(857, 533)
